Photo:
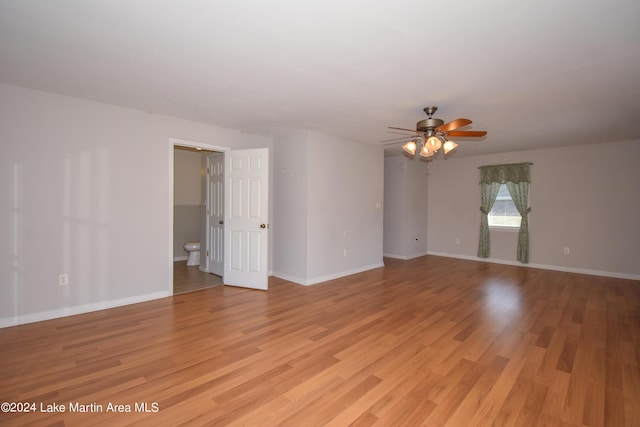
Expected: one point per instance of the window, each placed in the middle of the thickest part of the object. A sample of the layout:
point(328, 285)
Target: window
point(504, 212)
point(498, 207)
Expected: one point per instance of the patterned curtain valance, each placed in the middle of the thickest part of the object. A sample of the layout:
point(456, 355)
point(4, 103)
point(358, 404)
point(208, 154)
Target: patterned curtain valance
point(516, 173)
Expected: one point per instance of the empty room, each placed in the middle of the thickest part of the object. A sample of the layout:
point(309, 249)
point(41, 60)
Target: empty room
point(314, 213)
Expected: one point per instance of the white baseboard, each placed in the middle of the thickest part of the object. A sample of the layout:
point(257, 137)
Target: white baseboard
point(288, 278)
point(405, 257)
point(71, 311)
point(180, 258)
point(542, 266)
point(320, 279)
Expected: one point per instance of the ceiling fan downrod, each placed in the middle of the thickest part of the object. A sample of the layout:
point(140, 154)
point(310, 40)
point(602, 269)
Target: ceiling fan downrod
point(430, 110)
point(429, 124)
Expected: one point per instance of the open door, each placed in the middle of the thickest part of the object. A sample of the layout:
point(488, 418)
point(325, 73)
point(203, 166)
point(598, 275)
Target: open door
point(246, 222)
point(215, 214)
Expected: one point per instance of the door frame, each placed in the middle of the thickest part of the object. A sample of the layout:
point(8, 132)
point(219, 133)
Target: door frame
point(172, 144)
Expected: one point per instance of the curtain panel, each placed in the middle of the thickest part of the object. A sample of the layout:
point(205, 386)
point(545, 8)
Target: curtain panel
point(488, 195)
point(517, 177)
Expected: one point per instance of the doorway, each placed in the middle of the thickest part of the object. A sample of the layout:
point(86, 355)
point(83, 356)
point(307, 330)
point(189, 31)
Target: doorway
point(198, 212)
point(245, 220)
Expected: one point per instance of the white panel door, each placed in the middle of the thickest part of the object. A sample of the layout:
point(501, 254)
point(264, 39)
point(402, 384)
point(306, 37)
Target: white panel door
point(215, 214)
point(246, 218)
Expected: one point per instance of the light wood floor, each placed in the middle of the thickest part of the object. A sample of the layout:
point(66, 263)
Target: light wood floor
point(187, 279)
point(431, 341)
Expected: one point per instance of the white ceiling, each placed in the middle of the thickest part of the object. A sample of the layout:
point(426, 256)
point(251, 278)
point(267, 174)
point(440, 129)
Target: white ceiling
point(532, 73)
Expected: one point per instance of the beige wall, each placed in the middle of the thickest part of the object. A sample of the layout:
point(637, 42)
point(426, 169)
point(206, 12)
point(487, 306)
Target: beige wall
point(328, 203)
point(289, 201)
point(86, 189)
point(187, 178)
point(187, 193)
point(584, 198)
point(405, 207)
point(345, 187)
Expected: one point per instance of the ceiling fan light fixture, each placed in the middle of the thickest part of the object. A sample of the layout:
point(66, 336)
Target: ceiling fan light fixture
point(433, 134)
point(433, 144)
point(410, 147)
point(424, 152)
point(449, 146)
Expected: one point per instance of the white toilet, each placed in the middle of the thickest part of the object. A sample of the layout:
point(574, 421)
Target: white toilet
point(194, 253)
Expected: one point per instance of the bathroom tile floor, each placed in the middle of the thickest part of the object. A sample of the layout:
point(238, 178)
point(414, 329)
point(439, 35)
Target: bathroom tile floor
point(186, 279)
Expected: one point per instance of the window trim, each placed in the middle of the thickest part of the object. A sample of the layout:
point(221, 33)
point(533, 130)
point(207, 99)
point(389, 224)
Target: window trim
point(509, 229)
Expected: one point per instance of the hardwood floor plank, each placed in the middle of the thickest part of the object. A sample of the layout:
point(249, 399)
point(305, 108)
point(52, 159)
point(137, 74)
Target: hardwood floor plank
point(429, 341)
point(496, 397)
point(570, 347)
point(396, 388)
point(546, 373)
point(631, 391)
point(530, 412)
point(526, 396)
point(551, 412)
point(475, 397)
point(614, 408)
point(325, 408)
point(575, 398)
point(453, 391)
point(593, 414)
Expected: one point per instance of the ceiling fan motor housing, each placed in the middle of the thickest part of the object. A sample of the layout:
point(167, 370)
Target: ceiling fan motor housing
point(428, 124)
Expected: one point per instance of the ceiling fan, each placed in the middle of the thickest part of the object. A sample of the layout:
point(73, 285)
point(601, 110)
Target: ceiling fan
point(432, 134)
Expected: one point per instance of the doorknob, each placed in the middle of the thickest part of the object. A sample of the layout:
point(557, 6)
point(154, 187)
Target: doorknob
point(220, 222)
point(263, 225)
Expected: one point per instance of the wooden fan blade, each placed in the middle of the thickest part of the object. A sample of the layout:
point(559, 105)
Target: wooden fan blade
point(398, 133)
point(403, 138)
point(455, 124)
point(408, 130)
point(470, 133)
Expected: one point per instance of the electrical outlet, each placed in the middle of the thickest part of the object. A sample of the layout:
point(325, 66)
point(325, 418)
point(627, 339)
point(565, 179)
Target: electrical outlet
point(344, 252)
point(566, 250)
point(63, 279)
point(457, 241)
